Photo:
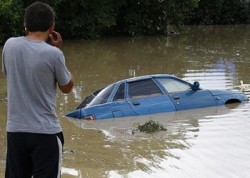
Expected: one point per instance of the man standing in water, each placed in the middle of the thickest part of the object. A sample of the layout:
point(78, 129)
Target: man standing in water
point(34, 68)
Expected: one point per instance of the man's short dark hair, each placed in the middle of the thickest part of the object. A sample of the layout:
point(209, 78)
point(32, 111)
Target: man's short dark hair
point(38, 17)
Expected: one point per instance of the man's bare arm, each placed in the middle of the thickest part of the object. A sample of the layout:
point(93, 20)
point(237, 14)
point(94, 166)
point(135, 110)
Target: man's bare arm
point(68, 87)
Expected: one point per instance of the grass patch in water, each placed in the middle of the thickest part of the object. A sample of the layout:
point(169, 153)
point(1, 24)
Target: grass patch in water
point(151, 127)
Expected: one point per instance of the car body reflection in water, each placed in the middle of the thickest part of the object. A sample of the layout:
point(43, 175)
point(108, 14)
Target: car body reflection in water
point(156, 154)
point(162, 118)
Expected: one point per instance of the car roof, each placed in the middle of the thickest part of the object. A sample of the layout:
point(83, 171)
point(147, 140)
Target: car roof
point(145, 77)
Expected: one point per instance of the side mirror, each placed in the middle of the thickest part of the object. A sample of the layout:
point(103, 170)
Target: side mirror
point(196, 86)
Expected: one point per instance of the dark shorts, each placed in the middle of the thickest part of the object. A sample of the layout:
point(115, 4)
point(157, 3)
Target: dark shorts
point(37, 155)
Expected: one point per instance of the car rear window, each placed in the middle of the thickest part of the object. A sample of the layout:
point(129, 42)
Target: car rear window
point(173, 85)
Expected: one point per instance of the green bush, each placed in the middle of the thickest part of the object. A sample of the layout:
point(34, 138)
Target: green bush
point(152, 17)
point(93, 18)
point(11, 23)
point(214, 12)
point(86, 19)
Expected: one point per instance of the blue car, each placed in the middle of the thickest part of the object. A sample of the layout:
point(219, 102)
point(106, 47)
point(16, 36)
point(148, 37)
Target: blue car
point(149, 95)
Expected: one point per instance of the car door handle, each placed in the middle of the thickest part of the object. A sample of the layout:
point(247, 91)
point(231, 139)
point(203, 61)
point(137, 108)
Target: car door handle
point(135, 103)
point(176, 97)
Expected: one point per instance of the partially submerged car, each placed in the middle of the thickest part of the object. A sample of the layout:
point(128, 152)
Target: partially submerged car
point(149, 95)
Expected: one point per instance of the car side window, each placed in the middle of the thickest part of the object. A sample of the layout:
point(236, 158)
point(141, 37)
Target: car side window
point(143, 88)
point(120, 93)
point(173, 85)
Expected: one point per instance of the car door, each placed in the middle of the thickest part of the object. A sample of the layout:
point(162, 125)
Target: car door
point(120, 106)
point(109, 103)
point(145, 97)
point(192, 99)
point(184, 97)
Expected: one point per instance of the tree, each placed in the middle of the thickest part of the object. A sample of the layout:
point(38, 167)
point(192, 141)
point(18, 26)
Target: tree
point(86, 19)
point(211, 12)
point(151, 17)
point(11, 18)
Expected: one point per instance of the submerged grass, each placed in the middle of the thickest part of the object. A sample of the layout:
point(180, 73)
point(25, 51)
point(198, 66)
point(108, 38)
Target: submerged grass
point(151, 127)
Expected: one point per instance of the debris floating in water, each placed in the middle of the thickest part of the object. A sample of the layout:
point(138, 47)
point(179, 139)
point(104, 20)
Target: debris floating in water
point(151, 127)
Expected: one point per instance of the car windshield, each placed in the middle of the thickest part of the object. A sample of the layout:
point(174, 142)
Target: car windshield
point(173, 85)
point(102, 96)
point(88, 99)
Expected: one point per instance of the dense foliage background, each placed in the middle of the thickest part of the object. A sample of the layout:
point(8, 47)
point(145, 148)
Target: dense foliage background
point(87, 19)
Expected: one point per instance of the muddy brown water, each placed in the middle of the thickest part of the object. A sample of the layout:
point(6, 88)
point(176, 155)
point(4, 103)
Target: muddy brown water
point(210, 142)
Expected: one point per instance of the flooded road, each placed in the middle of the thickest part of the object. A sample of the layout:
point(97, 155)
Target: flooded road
point(211, 142)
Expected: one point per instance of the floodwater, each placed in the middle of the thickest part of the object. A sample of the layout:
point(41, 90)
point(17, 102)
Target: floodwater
point(203, 143)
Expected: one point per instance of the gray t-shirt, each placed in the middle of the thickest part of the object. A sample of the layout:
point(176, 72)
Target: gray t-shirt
point(33, 69)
